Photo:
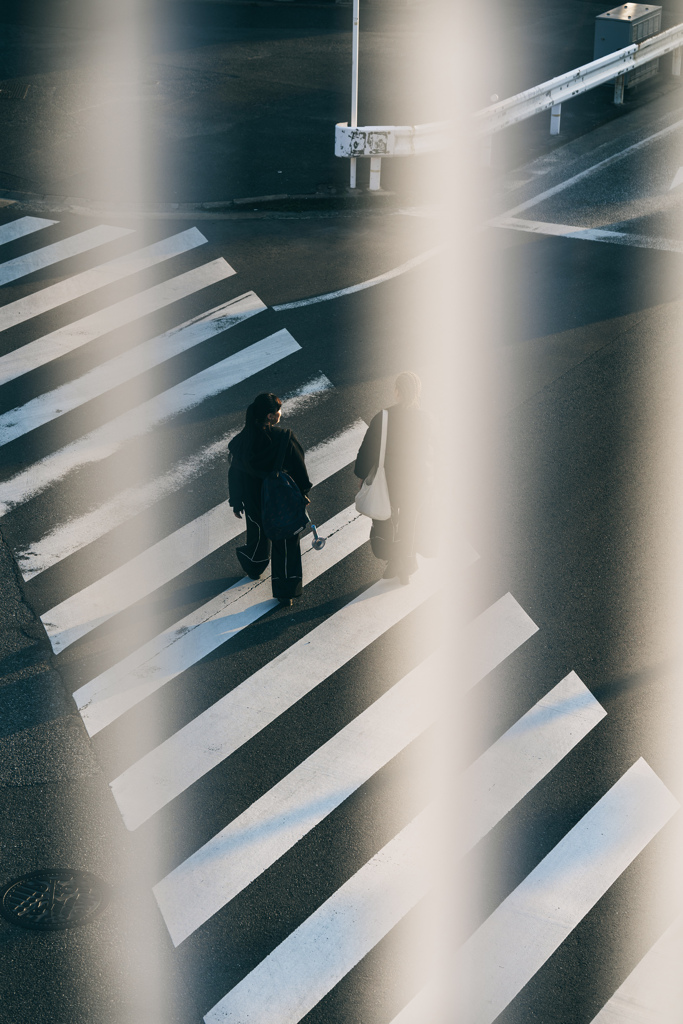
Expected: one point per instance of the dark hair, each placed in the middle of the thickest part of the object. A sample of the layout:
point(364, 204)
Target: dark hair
point(257, 417)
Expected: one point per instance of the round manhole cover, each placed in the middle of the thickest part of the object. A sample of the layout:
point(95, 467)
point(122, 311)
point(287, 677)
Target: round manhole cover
point(53, 899)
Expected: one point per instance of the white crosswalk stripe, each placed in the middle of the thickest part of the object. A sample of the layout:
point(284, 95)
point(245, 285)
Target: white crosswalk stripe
point(21, 266)
point(22, 227)
point(129, 365)
point(54, 295)
point(302, 969)
point(164, 773)
point(159, 564)
point(519, 936)
point(73, 336)
point(254, 840)
point(67, 538)
point(525, 930)
point(109, 438)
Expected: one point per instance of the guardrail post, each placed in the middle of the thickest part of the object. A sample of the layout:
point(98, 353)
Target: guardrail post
point(555, 113)
point(375, 169)
point(676, 62)
point(619, 84)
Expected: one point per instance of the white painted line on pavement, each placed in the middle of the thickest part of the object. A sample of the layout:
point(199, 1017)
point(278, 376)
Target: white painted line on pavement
point(420, 1009)
point(72, 336)
point(678, 179)
point(509, 948)
point(621, 155)
point(110, 437)
point(524, 755)
point(653, 991)
point(24, 226)
point(157, 565)
point(245, 848)
point(143, 357)
point(541, 227)
point(415, 262)
point(80, 531)
point(299, 972)
point(74, 245)
point(182, 645)
point(89, 280)
point(495, 635)
point(168, 770)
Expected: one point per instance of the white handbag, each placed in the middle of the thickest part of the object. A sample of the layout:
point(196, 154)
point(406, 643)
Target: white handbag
point(373, 498)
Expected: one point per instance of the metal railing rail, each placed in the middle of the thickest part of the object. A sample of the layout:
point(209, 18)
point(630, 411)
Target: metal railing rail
point(377, 141)
point(550, 95)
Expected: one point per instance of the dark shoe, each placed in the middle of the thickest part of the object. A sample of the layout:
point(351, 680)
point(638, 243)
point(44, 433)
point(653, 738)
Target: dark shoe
point(389, 572)
point(285, 602)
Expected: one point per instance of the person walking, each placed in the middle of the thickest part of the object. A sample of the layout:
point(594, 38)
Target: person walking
point(254, 453)
point(407, 466)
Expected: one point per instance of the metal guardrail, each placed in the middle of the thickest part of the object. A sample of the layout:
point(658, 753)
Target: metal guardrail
point(379, 141)
point(550, 95)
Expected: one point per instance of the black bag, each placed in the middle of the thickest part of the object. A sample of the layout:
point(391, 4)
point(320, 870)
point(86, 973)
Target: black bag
point(283, 506)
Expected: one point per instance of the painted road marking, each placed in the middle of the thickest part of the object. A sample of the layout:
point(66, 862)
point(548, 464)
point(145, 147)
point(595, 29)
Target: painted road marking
point(509, 948)
point(524, 755)
point(495, 635)
point(169, 769)
point(607, 162)
point(185, 643)
point(89, 280)
point(396, 272)
point(74, 245)
point(23, 226)
point(245, 848)
point(321, 951)
point(143, 357)
point(110, 437)
point(72, 336)
point(541, 227)
point(653, 991)
point(77, 533)
point(159, 564)
point(678, 179)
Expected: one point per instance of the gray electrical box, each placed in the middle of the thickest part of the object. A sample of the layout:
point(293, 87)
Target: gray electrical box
point(623, 25)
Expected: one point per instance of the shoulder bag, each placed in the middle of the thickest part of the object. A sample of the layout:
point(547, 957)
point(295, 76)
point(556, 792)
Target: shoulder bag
point(372, 499)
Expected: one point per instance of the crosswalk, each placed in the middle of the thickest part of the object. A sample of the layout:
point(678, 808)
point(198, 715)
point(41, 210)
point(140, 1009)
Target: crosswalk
point(81, 598)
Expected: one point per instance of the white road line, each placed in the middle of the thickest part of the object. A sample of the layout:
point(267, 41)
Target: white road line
point(217, 872)
point(77, 533)
point(72, 336)
point(677, 180)
point(89, 280)
point(524, 755)
point(182, 645)
point(321, 951)
point(494, 635)
point(110, 437)
point(364, 284)
point(653, 991)
point(541, 227)
point(525, 930)
point(130, 364)
point(24, 226)
point(615, 158)
point(74, 245)
point(164, 773)
point(168, 558)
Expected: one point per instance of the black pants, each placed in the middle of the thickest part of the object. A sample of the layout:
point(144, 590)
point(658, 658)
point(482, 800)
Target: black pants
point(286, 573)
point(395, 539)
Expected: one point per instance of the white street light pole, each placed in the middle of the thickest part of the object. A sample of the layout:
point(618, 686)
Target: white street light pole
point(354, 86)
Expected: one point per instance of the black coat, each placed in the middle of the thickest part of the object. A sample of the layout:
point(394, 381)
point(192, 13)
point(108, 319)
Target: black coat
point(408, 459)
point(244, 485)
